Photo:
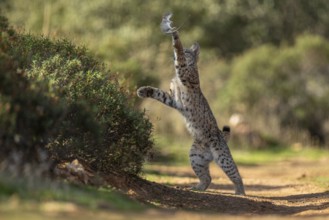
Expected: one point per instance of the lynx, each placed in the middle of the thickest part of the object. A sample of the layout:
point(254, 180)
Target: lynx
point(185, 95)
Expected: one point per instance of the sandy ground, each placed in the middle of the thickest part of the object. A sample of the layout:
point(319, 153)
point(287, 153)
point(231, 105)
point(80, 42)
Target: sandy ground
point(289, 189)
point(284, 190)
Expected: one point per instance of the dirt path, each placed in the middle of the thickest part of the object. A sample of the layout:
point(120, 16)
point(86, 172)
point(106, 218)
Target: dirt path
point(290, 188)
point(281, 190)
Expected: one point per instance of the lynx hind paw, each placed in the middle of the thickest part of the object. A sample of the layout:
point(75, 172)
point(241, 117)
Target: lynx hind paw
point(240, 192)
point(145, 91)
point(166, 23)
point(198, 188)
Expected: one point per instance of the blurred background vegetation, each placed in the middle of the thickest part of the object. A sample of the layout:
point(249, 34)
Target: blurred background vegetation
point(264, 64)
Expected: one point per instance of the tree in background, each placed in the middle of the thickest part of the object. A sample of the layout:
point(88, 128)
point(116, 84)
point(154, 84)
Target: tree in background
point(125, 34)
point(129, 27)
point(289, 83)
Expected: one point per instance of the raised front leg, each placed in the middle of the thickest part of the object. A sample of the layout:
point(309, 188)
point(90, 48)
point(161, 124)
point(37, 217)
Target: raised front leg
point(180, 60)
point(178, 47)
point(185, 59)
point(157, 94)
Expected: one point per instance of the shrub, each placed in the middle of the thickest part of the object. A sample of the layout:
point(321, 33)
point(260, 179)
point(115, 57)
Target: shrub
point(62, 99)
point(289, 83)
point(27, 113)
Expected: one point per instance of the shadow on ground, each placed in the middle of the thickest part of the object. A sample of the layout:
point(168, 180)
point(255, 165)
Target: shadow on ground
point(181, 198)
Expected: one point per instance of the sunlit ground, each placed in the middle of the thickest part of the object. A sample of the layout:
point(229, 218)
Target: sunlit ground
point(280, 172)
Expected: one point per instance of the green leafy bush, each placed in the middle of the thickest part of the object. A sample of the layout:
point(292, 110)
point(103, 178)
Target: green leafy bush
point(288, 83)
point(122, 34)
point(27, 112)
point(56, 96)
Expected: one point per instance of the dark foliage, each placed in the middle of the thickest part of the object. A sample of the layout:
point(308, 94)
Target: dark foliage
point(55, 96)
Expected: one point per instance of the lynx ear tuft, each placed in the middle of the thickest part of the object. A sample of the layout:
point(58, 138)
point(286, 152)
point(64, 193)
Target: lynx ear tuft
point(196, 49)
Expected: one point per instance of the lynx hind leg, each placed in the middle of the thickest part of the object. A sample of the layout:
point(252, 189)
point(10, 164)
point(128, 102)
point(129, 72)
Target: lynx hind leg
point(200, 159)
point(223, 158)
point(226, 133)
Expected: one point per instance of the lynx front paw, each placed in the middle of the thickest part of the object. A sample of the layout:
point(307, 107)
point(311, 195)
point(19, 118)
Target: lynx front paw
point(145, 91)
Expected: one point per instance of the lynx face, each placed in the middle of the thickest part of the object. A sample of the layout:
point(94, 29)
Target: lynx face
point(192, 55)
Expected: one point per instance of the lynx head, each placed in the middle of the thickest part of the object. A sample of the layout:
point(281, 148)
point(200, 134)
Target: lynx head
point(192, 54)
point(191, 57)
